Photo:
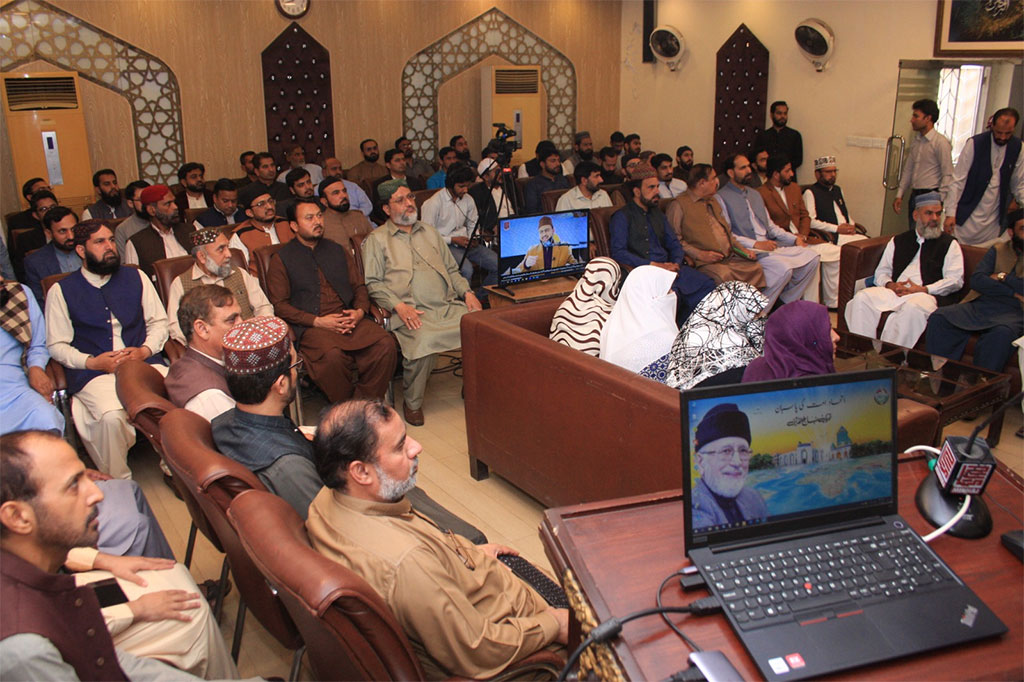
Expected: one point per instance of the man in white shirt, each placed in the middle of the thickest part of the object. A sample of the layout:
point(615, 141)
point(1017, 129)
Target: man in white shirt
point(929, 166)
point(988, 173)
point(587, 193)
point(213, 266)
point(295, 157)
point(919, 271)
point(194, 194)
point(196, 381)
point(669, 187)
point(96, 319)
point(825, 203)
point(453, 213)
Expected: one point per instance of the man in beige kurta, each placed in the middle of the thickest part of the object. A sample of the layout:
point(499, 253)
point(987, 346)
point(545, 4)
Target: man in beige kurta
point(410, 271)
point(705, 235)
point(465, 613)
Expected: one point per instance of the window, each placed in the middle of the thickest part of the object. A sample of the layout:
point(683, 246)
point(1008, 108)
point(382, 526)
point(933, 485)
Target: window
point(961, 96)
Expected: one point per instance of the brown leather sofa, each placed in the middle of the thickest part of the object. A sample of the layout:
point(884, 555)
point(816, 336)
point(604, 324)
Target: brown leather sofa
point(567, 427)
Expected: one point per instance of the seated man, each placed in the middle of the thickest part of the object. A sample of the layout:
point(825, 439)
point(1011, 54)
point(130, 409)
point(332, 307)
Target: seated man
point(415, 167)
point(464, 612)
point(111, 204)
point(295, 157)
point(167, 237)
point(24, 219)
point(409, 270)
point(929, 269)
point(669, 186)
point(641, 235)
point(225, 209)
point(447, 159)
point(315, 287)
point(266, 178)
point(213, 266)
point(395, 162)
point(549, 253)
point(53, 626)
point(39, 203)
point(587, 193)
point(789, 266)
point(341, 220)
point(193, 193)
point(367, 171)
point(59, 253)
point(137, 221)
point(826, 205)
point(548, 178)
point(262, 227)
point(260, 365)
point(705, 235)
point(248, 170)
point(96, 319)
point(684, 163)
point(582, 150)
point(452, 212)
point(196, 380)
point(357, 198)
point(490, 193)
point(531, 168)
point(993, 307)
point(722, 445)
point(300, 184)
point(609, 158)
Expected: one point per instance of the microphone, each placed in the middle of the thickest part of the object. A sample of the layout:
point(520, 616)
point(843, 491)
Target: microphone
point(964, 467)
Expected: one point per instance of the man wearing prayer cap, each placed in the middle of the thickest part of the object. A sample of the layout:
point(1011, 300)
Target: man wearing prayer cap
point(721, 448)
point(549, 253)
point(489, 193)
point(826, 205)
point(919, 271)
point(213, 266)
point(168, 236)
point(96, 319)
point(262, 226)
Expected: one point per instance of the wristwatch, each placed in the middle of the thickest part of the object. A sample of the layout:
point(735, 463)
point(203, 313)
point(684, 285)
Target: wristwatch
point(1001, 276)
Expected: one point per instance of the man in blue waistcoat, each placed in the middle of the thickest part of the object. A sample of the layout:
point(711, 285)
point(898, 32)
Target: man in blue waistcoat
point(97, 318)
point(988, 173)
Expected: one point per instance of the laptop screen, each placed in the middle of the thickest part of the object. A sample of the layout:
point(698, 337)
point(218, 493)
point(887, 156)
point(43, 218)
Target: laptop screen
point(543, 246)
point(782, 456)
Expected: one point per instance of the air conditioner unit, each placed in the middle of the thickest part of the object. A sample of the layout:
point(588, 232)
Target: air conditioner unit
point(512, 95)
point(46, 127)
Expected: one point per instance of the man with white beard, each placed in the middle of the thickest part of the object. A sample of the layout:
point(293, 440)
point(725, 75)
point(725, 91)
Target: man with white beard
point(930, 271)
point(722, 457)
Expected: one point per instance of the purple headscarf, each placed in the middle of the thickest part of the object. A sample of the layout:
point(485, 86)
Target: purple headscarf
point(797, 342)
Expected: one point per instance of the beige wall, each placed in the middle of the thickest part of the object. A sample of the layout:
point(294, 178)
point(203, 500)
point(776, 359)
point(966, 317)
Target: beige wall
point(214, 50)
point(854, 96)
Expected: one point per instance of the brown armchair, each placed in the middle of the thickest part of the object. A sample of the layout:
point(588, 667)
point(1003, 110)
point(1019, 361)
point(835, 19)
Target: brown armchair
point(549, 199)
point(421, 195)
point(215, 480)
point(349, 630)
point(600, 231)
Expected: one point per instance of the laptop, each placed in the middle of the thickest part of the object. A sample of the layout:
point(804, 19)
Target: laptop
point(790, 510)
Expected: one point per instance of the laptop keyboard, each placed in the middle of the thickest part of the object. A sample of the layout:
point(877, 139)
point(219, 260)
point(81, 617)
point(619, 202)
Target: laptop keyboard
point(805, 583)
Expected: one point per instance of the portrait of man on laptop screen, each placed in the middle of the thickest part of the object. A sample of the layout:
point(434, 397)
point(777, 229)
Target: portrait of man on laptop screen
point(766, 455)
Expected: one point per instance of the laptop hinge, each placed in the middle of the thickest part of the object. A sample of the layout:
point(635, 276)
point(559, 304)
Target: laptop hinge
point(796, 535)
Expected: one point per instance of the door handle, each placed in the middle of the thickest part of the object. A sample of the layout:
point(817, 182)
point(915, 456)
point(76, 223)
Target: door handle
point(888, 161)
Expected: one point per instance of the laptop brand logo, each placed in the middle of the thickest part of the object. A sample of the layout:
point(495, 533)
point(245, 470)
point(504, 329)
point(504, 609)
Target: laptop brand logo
point(968, 616)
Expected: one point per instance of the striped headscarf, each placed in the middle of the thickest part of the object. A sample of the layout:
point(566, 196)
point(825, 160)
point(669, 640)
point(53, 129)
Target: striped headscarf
point(578, 321)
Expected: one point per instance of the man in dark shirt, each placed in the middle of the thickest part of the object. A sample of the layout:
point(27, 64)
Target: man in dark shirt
point(781, 139)
point(40, 202)
point(25, 219)
point(550, 178)
point(266, 175)
point(609, 166)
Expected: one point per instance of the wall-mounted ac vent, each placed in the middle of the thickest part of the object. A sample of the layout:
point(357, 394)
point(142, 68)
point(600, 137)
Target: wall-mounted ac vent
point(26, 94)
point(516, 81)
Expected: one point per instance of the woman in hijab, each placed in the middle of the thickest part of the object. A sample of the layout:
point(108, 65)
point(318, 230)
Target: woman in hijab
point(642, 324)
point(723, 334)
point(578, 321)
point(799, 341)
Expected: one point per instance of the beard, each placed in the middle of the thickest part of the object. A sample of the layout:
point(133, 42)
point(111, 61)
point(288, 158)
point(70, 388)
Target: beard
point(167, 219)
point(650, 203)
point(933, 231)
point(404, 219)
point(1018, 243)
point(586, 156)
point(198, 188)
point(220, 270)
point(749, 180)
point(108, 266)
point(343, 207)
point(724, 486)
point(66, 247)
point(372, 158)
point(391, 489)
point(112, 199)
point(56, 533)
point(462, 156)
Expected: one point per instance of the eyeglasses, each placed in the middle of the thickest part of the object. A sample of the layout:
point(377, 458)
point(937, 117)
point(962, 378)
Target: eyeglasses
point(265, 202)
point(453, 542)
point(295, 365)
point(727, 453)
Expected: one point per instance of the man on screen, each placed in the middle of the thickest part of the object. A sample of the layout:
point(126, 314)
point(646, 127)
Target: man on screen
point(722, 457)
point(550, 253)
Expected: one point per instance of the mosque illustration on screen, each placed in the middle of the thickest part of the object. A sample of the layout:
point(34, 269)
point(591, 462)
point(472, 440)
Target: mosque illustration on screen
point(806, 453)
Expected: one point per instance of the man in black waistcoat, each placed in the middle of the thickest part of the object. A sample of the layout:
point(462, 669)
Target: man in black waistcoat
point(919, 271)
point(780, 138)
point(167, 236)
point(315, 287)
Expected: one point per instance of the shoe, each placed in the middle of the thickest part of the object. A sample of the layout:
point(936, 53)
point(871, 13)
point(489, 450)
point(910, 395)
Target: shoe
point(414, 417)
point(1020, 432)
point(210, 589)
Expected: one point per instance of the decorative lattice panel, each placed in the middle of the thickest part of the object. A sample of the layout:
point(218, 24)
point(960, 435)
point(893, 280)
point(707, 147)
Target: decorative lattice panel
point(741, 93)
point(297, 95)
point(35, 30)
point(493, 32)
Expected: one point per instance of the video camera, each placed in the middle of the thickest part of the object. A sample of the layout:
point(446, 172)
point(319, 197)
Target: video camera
point(501, 144)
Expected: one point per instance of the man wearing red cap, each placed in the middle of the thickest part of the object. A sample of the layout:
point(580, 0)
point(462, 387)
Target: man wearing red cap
point(168, 236)
point(96, 319)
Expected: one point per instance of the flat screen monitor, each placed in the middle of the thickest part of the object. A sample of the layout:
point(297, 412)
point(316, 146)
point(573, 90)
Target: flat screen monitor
point(542, 246)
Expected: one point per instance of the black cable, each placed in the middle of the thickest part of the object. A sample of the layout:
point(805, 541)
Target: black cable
point(689, 642)
point(611, 628)
point(995, 413)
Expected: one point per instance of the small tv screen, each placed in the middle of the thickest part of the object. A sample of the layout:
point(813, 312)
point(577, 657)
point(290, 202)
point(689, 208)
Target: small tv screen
point(542, 246)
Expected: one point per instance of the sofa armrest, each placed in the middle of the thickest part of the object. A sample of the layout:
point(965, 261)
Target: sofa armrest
point(857, 260)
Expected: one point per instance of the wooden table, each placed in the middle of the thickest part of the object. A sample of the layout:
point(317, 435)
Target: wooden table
point(612, 556)
point(526, 292)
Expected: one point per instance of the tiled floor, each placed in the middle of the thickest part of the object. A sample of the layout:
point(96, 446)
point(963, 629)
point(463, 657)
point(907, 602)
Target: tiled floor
point(504, 513)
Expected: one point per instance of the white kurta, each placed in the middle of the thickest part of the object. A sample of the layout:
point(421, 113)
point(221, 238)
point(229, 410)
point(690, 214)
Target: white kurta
point(982, 227)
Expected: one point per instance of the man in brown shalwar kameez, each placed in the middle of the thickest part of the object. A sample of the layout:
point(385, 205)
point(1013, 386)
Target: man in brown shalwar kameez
point(705, 235)
point(315, 287)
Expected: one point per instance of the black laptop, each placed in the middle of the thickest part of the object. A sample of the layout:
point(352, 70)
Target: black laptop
point(791, 500)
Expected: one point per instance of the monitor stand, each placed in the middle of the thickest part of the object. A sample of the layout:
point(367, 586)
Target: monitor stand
point(531, 291)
